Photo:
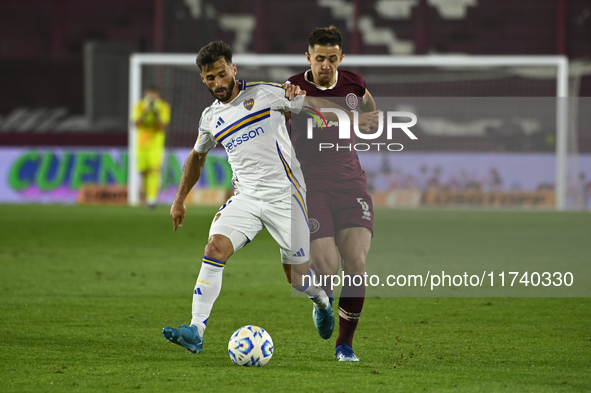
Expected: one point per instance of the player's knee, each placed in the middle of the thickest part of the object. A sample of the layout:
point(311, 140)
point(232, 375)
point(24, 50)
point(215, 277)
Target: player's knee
point(218, 247)
point(212, 250)
point(326, 265)
point(354, 265)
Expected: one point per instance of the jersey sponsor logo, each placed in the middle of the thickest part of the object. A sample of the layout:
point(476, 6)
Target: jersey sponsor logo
point(314, 225)
point(352, 101)
point(220, 122)
point(248, 104)
point(247, 136)
point(245, 122)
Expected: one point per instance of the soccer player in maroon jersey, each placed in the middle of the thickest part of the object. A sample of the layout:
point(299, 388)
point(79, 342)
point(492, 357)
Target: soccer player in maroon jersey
point(340, 210)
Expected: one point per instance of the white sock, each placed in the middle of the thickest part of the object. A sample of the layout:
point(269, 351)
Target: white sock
point(207, 290)
point(314, 292)
point(318, 297)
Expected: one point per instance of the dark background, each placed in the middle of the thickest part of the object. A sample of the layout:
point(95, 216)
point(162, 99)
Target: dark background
point(42, 41)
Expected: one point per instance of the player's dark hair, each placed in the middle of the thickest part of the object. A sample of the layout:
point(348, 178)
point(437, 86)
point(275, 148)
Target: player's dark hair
point(326, 36)
point(213, 52)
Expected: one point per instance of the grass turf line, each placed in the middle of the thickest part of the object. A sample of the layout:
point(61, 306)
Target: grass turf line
point(85, 292)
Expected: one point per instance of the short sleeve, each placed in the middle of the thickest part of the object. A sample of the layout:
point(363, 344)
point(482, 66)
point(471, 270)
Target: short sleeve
point(362, 82)
point(358, 79)
point(205, 141)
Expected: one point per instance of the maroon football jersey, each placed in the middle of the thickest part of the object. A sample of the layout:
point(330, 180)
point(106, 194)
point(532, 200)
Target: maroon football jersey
point(329, 169)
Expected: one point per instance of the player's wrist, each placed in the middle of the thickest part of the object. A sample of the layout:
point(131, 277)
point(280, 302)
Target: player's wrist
point(179, 199)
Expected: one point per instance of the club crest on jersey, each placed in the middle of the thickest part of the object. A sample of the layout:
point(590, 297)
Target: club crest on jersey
point(352, 101)
point(248, 104)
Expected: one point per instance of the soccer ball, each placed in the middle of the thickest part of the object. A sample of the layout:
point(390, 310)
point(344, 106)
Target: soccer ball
point(250, 346)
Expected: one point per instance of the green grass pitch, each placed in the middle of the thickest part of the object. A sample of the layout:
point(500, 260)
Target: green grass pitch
point(85, 292)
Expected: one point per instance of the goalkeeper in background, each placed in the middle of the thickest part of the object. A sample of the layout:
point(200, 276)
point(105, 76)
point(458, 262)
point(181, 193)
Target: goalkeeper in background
point(151, 117)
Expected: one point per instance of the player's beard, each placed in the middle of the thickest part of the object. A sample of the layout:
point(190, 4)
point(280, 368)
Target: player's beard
point(323, 78)
point(228, 94)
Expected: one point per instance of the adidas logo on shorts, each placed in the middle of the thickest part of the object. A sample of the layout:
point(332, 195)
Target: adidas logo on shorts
point(300, 253)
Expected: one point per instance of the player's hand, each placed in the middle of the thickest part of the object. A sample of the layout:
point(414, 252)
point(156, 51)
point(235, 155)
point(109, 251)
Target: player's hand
point(177, 213)
point(368, 120)
point(291, 91)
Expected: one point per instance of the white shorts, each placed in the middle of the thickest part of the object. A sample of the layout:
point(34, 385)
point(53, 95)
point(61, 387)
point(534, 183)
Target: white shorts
point(241, 218)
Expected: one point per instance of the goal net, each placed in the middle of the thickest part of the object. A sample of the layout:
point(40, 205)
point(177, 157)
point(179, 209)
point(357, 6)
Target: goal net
point(493, 131)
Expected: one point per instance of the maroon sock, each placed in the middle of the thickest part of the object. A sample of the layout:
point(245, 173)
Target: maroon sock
point(350, 306)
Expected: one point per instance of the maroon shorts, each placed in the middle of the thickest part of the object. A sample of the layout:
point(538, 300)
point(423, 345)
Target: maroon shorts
point(331, 211)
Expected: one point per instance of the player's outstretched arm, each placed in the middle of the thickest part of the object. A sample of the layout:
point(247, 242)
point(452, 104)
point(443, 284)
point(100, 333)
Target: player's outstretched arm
point(366, 121)
point(191, 174)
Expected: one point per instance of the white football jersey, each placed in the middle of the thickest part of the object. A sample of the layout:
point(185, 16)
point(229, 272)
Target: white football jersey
point(252, 130)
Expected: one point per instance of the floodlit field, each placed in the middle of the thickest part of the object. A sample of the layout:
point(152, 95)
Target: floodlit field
point(85, 292)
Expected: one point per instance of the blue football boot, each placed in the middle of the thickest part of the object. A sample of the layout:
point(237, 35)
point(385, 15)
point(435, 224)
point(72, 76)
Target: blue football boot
point(344, 353)
point(187, 337)
point(324, 320)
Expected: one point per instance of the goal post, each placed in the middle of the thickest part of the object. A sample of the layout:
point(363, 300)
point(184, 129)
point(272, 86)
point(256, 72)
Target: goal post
point(276, 63)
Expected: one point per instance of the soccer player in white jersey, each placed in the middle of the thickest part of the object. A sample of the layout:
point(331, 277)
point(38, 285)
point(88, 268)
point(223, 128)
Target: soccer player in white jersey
point(247, 118)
